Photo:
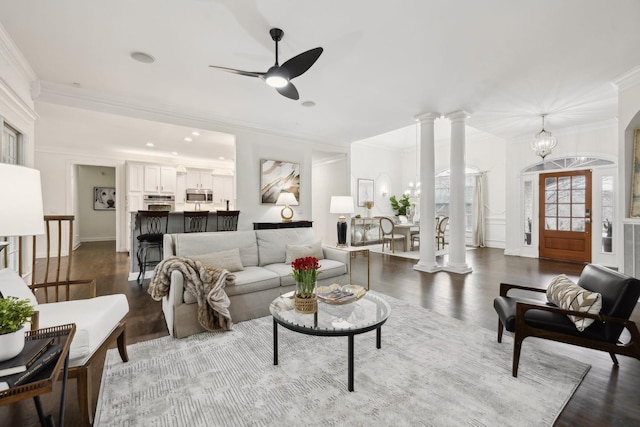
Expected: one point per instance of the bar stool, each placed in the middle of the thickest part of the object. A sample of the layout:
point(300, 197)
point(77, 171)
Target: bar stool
point(195, 221)
point(152, 226)
point(227, 220)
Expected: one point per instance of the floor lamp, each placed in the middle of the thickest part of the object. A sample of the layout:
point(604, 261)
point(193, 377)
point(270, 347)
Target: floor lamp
point(21, 195)
point(341, 205)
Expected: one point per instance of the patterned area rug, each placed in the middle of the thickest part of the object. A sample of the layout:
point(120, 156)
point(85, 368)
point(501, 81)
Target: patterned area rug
point(432, 370)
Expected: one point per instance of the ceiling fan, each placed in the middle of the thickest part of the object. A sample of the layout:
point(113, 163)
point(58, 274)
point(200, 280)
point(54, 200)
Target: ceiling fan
point(279, 76)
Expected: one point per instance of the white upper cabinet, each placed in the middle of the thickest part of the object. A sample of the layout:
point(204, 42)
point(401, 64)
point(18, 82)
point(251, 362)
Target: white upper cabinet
point(199, 179)
point(159, 180)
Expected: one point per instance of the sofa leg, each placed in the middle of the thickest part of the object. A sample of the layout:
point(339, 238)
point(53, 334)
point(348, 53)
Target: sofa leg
point(122, 344)
point(517, 343)
point(83, 379)
point(500, 329)
point(614, 358)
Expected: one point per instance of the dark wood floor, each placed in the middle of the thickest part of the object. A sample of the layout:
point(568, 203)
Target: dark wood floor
point(607, 396)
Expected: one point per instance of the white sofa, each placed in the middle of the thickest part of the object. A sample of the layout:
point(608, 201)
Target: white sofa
point(264, 276)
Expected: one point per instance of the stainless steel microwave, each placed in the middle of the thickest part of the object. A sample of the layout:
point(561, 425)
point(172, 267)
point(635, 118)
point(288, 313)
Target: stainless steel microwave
point(199, 195)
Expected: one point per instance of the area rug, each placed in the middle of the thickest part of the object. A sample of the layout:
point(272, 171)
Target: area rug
point(432, 370)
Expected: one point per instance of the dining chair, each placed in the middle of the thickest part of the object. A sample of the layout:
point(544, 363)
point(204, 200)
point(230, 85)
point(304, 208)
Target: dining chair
point(441, 228)
point(387, 228)
point(227, 220)
point(152, 226)
point(195, 221)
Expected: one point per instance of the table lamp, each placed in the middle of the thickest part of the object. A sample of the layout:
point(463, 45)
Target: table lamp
point(287, 199)
point(341, 205)
point(21, 195)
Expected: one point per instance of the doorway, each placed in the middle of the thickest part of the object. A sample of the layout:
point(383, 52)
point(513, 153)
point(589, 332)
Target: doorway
point(565, 216)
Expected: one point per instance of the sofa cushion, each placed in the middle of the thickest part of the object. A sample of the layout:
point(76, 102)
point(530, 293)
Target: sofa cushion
point(11, 284)
point(95, 318)
point(229, 260)
point(272, 244)
point(189, 244)
point(328, 269)
point(569, 296)
point(294, 252)
point(251, 279)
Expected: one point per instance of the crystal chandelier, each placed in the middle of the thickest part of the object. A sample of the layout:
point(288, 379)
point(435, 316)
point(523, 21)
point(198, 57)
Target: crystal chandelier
point(544, 142)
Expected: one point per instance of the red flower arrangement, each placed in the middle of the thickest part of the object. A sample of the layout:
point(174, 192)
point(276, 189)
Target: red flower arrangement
point(305, 272)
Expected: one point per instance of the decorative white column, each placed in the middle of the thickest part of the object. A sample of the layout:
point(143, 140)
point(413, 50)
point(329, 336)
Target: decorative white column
point(427, 262)
point(457, 255)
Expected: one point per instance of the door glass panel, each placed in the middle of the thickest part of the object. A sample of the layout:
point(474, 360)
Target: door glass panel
point(550, 196)
point(528, 211)
point(578, 196)
point(550, 183)
point(607, 213)
point(564, 224)
point(550, 223)
point(551, 210)
point(564, 210)
point(564, 183)
point(579, 182)
point(577, 224)
point(577, 210)
point(564, 196)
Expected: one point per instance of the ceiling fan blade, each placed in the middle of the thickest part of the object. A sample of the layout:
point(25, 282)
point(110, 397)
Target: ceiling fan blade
point(242, 73)
point(289, 91)
point(301, 63)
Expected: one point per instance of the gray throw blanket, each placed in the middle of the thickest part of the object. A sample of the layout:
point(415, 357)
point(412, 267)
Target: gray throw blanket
point(207, 284)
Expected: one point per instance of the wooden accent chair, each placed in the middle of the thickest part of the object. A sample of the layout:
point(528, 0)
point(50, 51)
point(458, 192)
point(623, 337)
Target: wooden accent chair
point(195, 221)
point(533, 318)
point(387, 229)
point(227, 220)
point(99, 320)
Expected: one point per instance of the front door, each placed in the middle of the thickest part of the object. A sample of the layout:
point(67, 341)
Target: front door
point(565, 216)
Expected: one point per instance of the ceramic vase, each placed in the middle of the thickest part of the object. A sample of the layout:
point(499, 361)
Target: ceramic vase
point(11, 344)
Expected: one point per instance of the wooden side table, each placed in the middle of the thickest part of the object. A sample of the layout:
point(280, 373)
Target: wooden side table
point(43, 381)
point(353, 252)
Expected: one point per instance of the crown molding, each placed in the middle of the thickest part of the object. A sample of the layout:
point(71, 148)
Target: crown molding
point(12, 54)
point(629, 79)
point(16, 103)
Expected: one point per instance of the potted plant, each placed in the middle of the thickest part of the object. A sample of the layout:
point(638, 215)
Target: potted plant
point(305, 272)
point(400, 206)
point(14, 313)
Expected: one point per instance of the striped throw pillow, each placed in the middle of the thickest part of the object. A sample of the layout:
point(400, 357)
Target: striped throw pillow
point(569, 296)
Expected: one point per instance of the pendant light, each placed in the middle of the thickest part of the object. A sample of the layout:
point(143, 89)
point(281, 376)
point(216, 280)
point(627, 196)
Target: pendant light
point(544, 142)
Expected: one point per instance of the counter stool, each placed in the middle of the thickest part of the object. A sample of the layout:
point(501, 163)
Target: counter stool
point(195, 221)
point(227, 220)
point(152, 226)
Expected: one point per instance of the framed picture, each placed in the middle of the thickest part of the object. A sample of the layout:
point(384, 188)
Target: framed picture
point(635, 185)
point(104, 199)
point(277, 176)
point(365, 191)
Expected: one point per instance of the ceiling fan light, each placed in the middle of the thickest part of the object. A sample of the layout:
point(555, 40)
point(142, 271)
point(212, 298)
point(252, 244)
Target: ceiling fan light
point(277, 77)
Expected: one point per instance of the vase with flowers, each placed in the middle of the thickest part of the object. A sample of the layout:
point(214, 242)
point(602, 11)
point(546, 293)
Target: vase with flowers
point(305, 272)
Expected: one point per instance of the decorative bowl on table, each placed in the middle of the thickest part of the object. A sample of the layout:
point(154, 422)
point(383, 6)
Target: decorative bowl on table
point(336, 294)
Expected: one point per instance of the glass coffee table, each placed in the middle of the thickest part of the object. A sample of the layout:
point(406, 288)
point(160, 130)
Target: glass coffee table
point(332, 320)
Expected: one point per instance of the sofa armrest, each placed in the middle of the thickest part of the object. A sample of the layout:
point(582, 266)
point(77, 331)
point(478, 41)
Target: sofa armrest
point(168, 246)
point(337, 255)
point(176, 289)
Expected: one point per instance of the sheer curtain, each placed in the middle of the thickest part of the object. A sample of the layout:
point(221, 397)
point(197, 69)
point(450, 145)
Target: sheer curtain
point(478, 211)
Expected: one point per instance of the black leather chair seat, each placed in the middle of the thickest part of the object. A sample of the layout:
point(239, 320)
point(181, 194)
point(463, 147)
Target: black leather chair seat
point(151, 238)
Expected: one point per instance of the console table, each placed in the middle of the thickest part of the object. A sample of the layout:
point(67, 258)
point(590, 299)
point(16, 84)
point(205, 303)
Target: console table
point(365, 231)
point(273, 225)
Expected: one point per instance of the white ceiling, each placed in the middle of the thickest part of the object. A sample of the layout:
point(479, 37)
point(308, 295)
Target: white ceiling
point(503, 61)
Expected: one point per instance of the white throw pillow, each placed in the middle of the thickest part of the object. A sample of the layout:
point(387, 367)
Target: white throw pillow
point(569, 296)
point(301, 251)
point(229, 260)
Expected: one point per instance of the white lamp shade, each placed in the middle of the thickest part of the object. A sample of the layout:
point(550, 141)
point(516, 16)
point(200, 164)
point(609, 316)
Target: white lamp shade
point(341, 205)
point(21, 213)
point(286, 198)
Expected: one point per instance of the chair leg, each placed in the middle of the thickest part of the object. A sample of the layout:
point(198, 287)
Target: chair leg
point(500, 330)
point(122, 345)
point(83, 378)
point(517, 344)
point(140, 266)
point(614, 358)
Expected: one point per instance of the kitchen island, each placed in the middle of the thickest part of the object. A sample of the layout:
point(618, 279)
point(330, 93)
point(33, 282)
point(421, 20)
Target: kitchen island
point(175, 225)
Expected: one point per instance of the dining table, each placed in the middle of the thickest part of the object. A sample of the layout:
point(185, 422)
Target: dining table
point(406, 229)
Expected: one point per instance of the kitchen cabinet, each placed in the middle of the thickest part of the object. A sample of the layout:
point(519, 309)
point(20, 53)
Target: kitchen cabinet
point(199, 179)
point(159, 180)
point(222, 190)
point(135, 177)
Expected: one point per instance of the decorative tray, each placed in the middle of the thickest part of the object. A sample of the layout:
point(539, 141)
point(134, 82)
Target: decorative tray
point(336, 294)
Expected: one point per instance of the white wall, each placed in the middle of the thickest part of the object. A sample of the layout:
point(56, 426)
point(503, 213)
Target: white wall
point(330, 178)
point(94, 225)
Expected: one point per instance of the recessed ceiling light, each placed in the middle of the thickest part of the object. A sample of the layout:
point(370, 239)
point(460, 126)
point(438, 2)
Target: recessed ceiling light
point(145, 58)
point(188, 139)
point(175, 153)
point(194, 133)
point(76, 84)
point(308, 104)
point(149, 144)
point(221, 158)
